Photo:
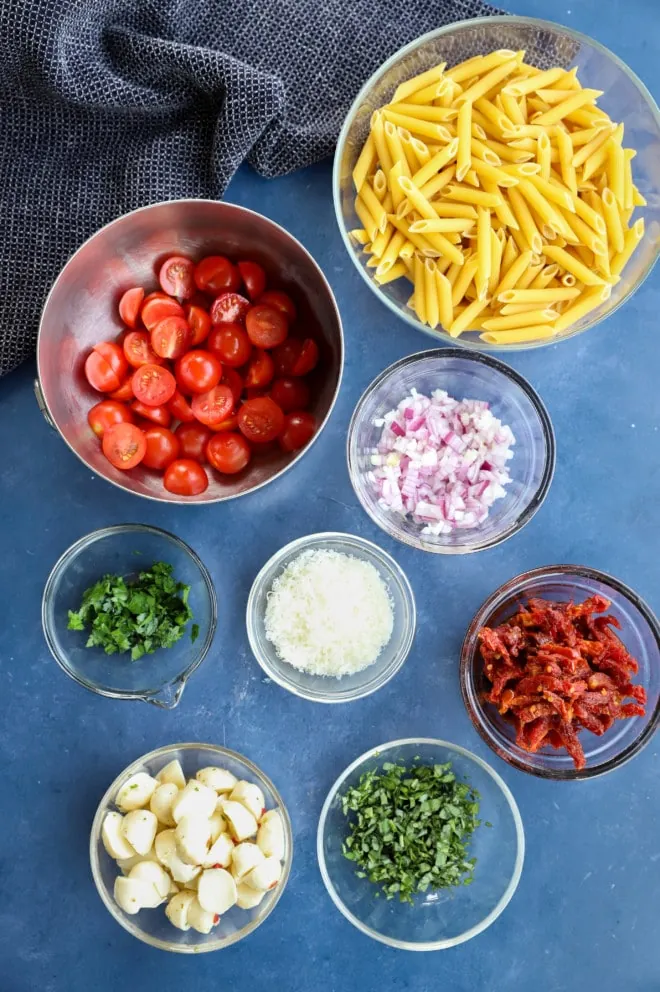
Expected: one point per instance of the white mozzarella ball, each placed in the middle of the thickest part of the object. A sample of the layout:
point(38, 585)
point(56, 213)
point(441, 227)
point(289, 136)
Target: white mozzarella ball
point(195, 800)
point(166, 852)
point(161, 803)
point(136, 792)
point(220, 852)
point(131, 894)
point(247, 897)
point(251, 796)
point(172, 773)
point(200, 919)
point(216, 890)
point(266, 875)
point(218, 825)
point(192, 837)
point(245, 857)
point(242, 823)
point(139, 829)
point(218, 779)
point(154, 874)
point(113, 838)
point(178, 908)
point(270, 835)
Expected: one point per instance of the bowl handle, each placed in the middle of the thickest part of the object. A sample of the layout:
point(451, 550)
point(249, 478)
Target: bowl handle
point(41, 403)
point(168, 697)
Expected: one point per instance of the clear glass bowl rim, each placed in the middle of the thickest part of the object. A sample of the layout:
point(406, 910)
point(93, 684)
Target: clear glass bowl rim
point(397, 574)
point(468, 651)
point(491, 362)
point(532, 22)
point(95, 839)
point(86, 541)
point(436, 945)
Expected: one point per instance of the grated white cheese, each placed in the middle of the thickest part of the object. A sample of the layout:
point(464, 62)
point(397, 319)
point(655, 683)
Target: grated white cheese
point(329, 613)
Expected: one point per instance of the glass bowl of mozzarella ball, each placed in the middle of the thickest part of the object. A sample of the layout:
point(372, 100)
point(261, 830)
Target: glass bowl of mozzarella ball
point(191, 848)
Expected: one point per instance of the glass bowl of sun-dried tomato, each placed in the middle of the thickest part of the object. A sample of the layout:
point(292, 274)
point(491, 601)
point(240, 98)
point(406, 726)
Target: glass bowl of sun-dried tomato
point(560, 672)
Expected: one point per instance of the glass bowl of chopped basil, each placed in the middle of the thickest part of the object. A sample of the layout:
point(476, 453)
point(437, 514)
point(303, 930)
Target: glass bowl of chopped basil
point(420, 844)
point(130, 612)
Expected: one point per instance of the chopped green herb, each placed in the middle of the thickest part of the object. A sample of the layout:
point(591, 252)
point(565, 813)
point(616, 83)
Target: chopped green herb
point(141, 616)
point(411, 828)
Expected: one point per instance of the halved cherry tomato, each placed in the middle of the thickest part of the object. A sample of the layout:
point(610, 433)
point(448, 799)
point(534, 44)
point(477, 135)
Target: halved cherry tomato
point(156, 414)
point(260, 419)
point(171, 337)
point(260, 371)
point(230, 424)
point(214, 406)
point(193, 439)
point(180, 408)
point(228, 308)
point(231, 344)
point(100, 374)
point(298, 429)
point(296, 356)
point(138, 350)
point(153, 385)
point(125, 392)
point(158, 306)
point(129, 306)
point(197, 371)
point(281, 301)
point(185, 477)
point(228, 453)
point(106, 414)
point(307, 359)
point(253, 277)
point(266, 326)
point(290, 393)
point(162, 447)
point(215, 274)
point(176, 277)
point(231, 378)
point(124, 445)
point(200, 323)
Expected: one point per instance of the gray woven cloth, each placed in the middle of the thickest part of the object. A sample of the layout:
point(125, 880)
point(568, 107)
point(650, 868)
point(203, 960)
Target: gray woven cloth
point(111, 104)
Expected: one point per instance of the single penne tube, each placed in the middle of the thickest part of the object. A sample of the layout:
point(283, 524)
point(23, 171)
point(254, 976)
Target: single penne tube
point(568, 279)
point(408, 150)
point(594, 165)
point(395, 272)
point(496, 248)
point(482, 276)
point(472, 178)
point(537, 332)
point(464, 319)
point(628, 155)
point(416, 198)
point(561, 110)
point(517, 308)
point(441, 225)
point(509, 255)
point(463, 279)
point(366, 219)
point(431, 293)
point(435, 163)
point(638, 199)
point(379, 184)
point(438, 183)
point(524, 144)
point(419, 298)
point(442, 264)
point(493, 174)
point(544, 155)
point(399, 168)
point(372, 262)
point(480, 64)
point(476, 130)
point(571, 264)
point(528, 277)
point(416, 83)
point(533, 131)
point(391, 253)
point(428, 129)
point(533, 82)
point(425, 96)
point(631, 239)
point(582, 137)
point(486, 82)
point(512, 110)
point(445, 308)
point(425, 112)
point(592, 217)
point(476, 196)
point(395, 147)
point(542, 297)
point(378, 134)
point(374, 206)
point(569, 80)
point(512, 274)
point(508, 154)
point(521, 170)
point(565, 151)
point(365, 164)
point(544, 277)
point(584, 153)
point(616, 170)
point(482, 150)
point(586, 116)
point(407, 249)
point(589, 301)
point(359, 235)
point(455, 210)
point(539, 316)
point(526, 222)
point(464, 135)
point(421, 151)
point(381, 242)
point(445, 96)
point(552, 96)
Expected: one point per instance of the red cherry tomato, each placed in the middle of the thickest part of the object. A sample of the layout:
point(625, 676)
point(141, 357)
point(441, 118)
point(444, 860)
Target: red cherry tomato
point(100, 374)
point(180, 408)
point(200, 324)
point(299, 428)
point(228, 453)
point(138, 350)
point(213, 407)
point(296, 356)
point(260, 419)
point(260, 371)
point(266, 326)
point(124, 445)
point(216, 274)
point(307, 359)
point(129, 306)
point(193, 439)
point(281, 301)
point(125, 392)
point(230, 424)
point(106, 414)
point(176, 277)
point(185, 477)
point(171, 337)
point(231, 344)
point(157, 307)
point(290, 393)
point(153, 385)
point(162, 447)
point(231, 378)
point(228, 308)
point(253, 277)
point(114, 356)
point(197, 371)
point(156, 414)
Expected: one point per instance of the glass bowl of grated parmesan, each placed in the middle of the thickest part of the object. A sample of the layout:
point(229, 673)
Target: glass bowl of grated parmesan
point(331, 617)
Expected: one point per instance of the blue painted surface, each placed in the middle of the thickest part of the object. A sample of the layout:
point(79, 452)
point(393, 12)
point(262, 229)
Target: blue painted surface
point(585, 914)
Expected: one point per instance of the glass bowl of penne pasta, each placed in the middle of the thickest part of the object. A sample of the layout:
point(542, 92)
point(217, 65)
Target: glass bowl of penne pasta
point(496, 183)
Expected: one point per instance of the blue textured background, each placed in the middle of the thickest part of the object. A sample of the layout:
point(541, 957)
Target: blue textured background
point(585, 914)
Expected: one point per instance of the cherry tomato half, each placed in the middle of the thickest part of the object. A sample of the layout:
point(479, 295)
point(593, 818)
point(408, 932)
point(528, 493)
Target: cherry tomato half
point(216, 274)
point(180, 408)
point(231, 378)
point(260, 371)
point(185, 477)
point(100, 374)
point(162, 447)
point(106, 414)
point(228, 308)
point(214, 406)
point(157, 307)
point(129, 306)
point(125, 392)
point(124, 445)
point(176, 277)
point(253, 277)
point(197, 371)
point(138, 350)
point(228, 453)
point(296, 356)
point(290, 393)
point(266, 326)
point(260, 419)
point(200, 323)
point(299, 428)
point(193, 439)
point(156, 414)
point(281, 301)
point(153, 385)
point(171, 337)
point(231, 344)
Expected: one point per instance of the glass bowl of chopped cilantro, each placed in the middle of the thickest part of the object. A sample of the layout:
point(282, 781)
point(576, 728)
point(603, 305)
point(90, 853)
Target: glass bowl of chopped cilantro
point(420, 844)
point(130, 612)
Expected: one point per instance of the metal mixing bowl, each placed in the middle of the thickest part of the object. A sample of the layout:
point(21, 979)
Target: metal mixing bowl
point(81, 310)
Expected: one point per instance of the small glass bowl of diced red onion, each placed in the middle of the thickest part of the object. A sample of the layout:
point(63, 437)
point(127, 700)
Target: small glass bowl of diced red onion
point(451, 452)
